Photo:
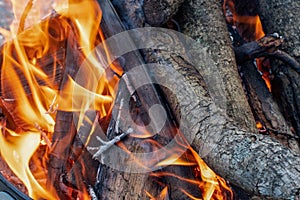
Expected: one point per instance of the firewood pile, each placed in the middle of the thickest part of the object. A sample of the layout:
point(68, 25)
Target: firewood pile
point(169, 99)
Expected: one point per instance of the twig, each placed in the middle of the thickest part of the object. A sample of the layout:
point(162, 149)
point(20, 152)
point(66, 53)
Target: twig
point(265, 47)
point(286, 58)
point(53, 107)
point(92, 193)
point(256, 49)
point(108, 144)
point(44, 135)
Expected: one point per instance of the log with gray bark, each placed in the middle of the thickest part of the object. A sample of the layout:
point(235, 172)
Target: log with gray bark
point(257, 163)
point(132, 185)
point(229, 143)
point(238, 143)
point(225, 136)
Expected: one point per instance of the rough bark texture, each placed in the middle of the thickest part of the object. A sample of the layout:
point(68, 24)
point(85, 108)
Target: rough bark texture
point(132, 185)
point(204, 22)
point(138, 13)
point(286, 82)
point(263, 105)
point(257, 163)
point(121, 184)
point(158, 12)
point(130, 12)
point(286, 90)
point(275, 18)
point(265, 108)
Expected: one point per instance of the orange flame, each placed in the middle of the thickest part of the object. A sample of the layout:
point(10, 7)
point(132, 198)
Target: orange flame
point(210, 185)
point(31, 93)
point(250, 28)
point(259, 125)
point(164, 195)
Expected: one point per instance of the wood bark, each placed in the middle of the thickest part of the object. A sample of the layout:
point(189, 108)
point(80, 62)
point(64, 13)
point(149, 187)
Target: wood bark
point(132, 185)
point(138, 13)
point(257, 163)
point(159, 12)
point(286, 81)
point(228, 142)
point(275, 18)
point(264, 107)
point(226, 62)
point(199, 20)
point(241, 165)
point(130, 12)
point(245, 163)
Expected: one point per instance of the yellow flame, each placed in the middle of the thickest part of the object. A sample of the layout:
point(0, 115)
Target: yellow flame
point(17, 151)
point(31, 104)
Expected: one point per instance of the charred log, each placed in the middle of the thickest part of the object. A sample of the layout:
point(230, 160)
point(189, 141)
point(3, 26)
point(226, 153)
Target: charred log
point(247, 159)
point(286, 90)
point(68, 157)
point(265, 109)
point(138, 13)
point(245, 146)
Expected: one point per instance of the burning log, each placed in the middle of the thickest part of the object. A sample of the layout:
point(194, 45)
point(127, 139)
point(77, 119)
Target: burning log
point(202, 28)
point(253, 161)
point(232, 79)
point(272, 73)
point(265, 109)
point(243, 161)
point(223, 133)
point(285, 80)
point(66, 159)
point(143, 99)
point(244, 157)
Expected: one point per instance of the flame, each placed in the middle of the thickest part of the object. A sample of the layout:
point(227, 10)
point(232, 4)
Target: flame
point(259, 125)
point(164, 195)
point(210, 185)
point(248, 26)
point(31, 93)
point(17, 151)
point(250, 29)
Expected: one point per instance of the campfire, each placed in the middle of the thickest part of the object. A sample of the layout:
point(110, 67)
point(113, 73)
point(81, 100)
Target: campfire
point(149, 100)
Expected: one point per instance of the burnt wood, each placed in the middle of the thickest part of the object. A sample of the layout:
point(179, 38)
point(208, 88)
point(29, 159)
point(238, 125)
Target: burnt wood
point(68, 158)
